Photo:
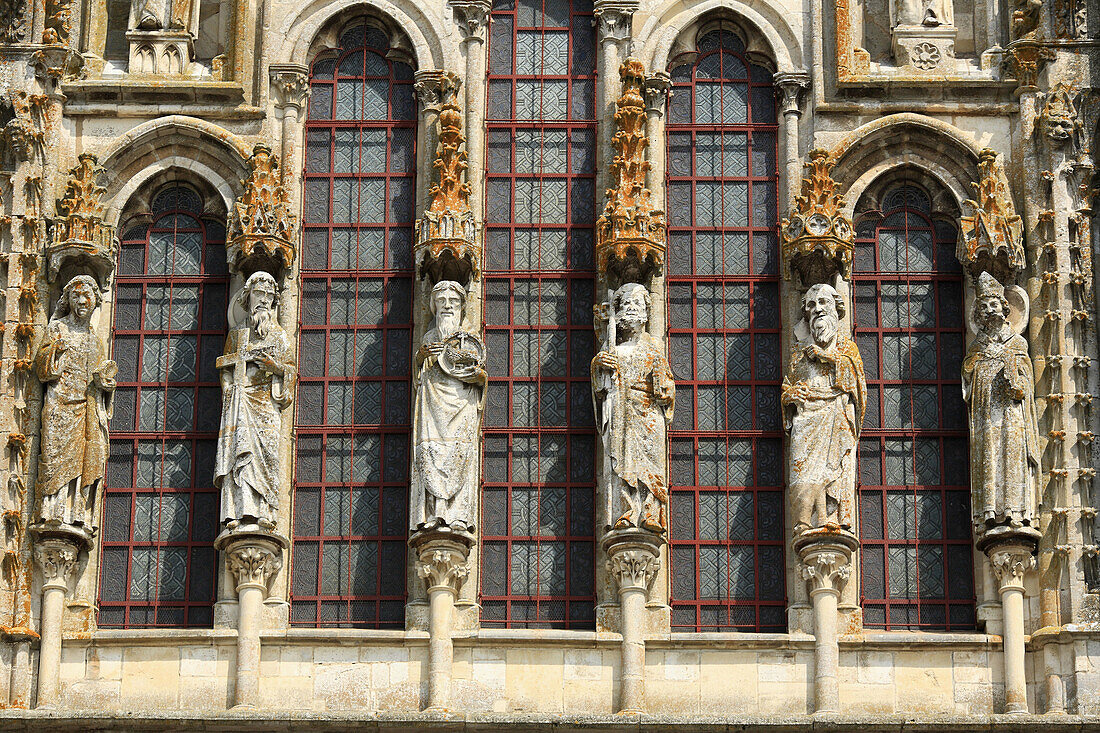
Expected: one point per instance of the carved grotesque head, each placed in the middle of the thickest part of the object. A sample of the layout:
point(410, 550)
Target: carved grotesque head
point(448, 304)
point(990, 306)
point(823, 308)
point(632, 306)
point(80, 297)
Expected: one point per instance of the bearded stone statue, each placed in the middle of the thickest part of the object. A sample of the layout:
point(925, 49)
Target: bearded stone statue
point(257, 377)
point(450, 398)
point(999, 389)
point(824, 396)
point(634, 395)
point(80, 384)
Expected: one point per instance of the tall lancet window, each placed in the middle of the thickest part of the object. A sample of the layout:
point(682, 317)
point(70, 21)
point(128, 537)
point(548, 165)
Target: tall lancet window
point(914, 498)
point(161, 509)
point(538, 541)
point(723, 289)
point(352, 427)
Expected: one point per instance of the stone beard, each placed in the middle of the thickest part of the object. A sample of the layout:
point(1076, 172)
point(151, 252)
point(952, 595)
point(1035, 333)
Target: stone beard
point(446, 422)
point(80, 383)
point(824, 396)
point(998, 386)
point(257, 376)
point(634, 394)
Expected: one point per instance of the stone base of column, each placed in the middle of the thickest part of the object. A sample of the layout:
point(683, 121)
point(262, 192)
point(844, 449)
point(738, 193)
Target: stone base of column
point(826, 563)
point(633, 558)
point(253, 556)
point(441, 561)
point(1011, 553)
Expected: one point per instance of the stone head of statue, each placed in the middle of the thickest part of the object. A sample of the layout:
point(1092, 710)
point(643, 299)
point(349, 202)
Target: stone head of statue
point(632, 306)
point(448, 305)
point(80, 297)
point(258, 297)
point(823, 308)
point(991, 307)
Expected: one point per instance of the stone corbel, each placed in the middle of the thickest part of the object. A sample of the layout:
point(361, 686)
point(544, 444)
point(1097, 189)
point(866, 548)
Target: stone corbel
point(817, 238)
point(82, 241)
point(991, 238)
point(263, 233)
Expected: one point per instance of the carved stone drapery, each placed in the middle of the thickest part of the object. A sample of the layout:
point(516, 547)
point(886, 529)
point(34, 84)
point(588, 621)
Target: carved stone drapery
point(631, 232)
point(818, 239)
point(447, 245)
point(82, 241)
point(991, 238)
point(263, 233)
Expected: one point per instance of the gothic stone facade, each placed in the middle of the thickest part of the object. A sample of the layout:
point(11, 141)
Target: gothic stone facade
point(512, 363)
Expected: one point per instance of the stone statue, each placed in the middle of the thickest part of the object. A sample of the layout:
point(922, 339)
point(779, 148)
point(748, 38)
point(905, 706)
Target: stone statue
point(164, 15)
point(450, 397)
point(634, 394)
point(927, 13)
point(257, 376)
point(824, 397)
point(80, 384)
point(999, 388)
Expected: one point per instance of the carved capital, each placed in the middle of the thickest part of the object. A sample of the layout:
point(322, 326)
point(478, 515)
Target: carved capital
point(290, 84)
point(443, 567)
point(791, 87)
point(658, 87)
point(615, 18)
point(825, 557)
point(635, 568)
point(1010, 564)
point(474, 17)
point(57, 560)
point(253, 564)
point(434, 88)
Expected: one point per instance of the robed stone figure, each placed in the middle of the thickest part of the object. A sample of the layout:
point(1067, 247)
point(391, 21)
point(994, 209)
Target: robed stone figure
point(634, 395)
point(450, 398)
point(80, 383)
point(999, 389)
point(824, 396)
point(257, 378)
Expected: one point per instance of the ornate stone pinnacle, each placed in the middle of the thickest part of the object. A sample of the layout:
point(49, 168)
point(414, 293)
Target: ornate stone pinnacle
point(57, 561)
point(262, 229)
point(291, 85)
point(630, 234)
point(80, 235)
point(826, 571)
point(992, 237)
point(253, 564)
point(443, 567)
point(818, 239)
point(634, 568)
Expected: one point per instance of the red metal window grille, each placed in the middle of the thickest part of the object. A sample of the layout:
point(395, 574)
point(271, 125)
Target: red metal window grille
point(538, 534)
point(353, 419)
point(724, 343)
point(914, 497)
point(161, 508)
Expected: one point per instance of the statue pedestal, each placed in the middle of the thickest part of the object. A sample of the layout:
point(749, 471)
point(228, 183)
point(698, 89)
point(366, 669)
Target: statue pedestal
point(253, 556)
point(441, 555)
point(925, 48)
point(1011, 553)
point(161, 52)
point(633, 558)
point(825, 555)
point(57, 548)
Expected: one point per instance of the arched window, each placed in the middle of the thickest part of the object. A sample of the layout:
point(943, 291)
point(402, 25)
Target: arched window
point(538, 543)
point(914, 497)
point(352, 426)
point(723, 288)
point(161, 510)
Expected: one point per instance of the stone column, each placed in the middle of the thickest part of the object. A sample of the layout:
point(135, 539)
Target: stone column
point(790, 87)
point(614, 19)
point(473, 17)
point(658, 85)
point(290, 92)
point(253, 558)
point(441, 562)
point(431, 86)
point(1011, 554)
point(826, 565)
point(56, 553)
point(633, 561)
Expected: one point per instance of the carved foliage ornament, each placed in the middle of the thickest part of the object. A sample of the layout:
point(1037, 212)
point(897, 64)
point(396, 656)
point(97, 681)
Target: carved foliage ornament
point(818, 238)
point(447, 245)
point(253, 565)
point(1010, 565)
point(80, 231)
point(1071, 19)
point(443, 567)
point(1023, 61)
point(827, 571)
point(13, 23)
point(634, 568)
point(991, 239)
point(56, 560)
point(59, 22)
point(262, 228)
point(630, 234)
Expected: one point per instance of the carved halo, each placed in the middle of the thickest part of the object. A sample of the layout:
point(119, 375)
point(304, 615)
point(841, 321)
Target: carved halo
point(238, 306)
point(1019, 309)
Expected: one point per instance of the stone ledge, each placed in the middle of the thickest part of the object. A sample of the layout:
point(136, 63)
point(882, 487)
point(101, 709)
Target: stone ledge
point(33, 720)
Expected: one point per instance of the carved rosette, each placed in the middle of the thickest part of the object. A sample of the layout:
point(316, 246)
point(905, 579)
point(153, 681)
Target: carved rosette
point(991, 239)
point(57, 560)
point(825, 558)
point(253, 564)
point(447, 245)
point(262, 230)
point(81, 237)
point(630, 234)
point(818, 238)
